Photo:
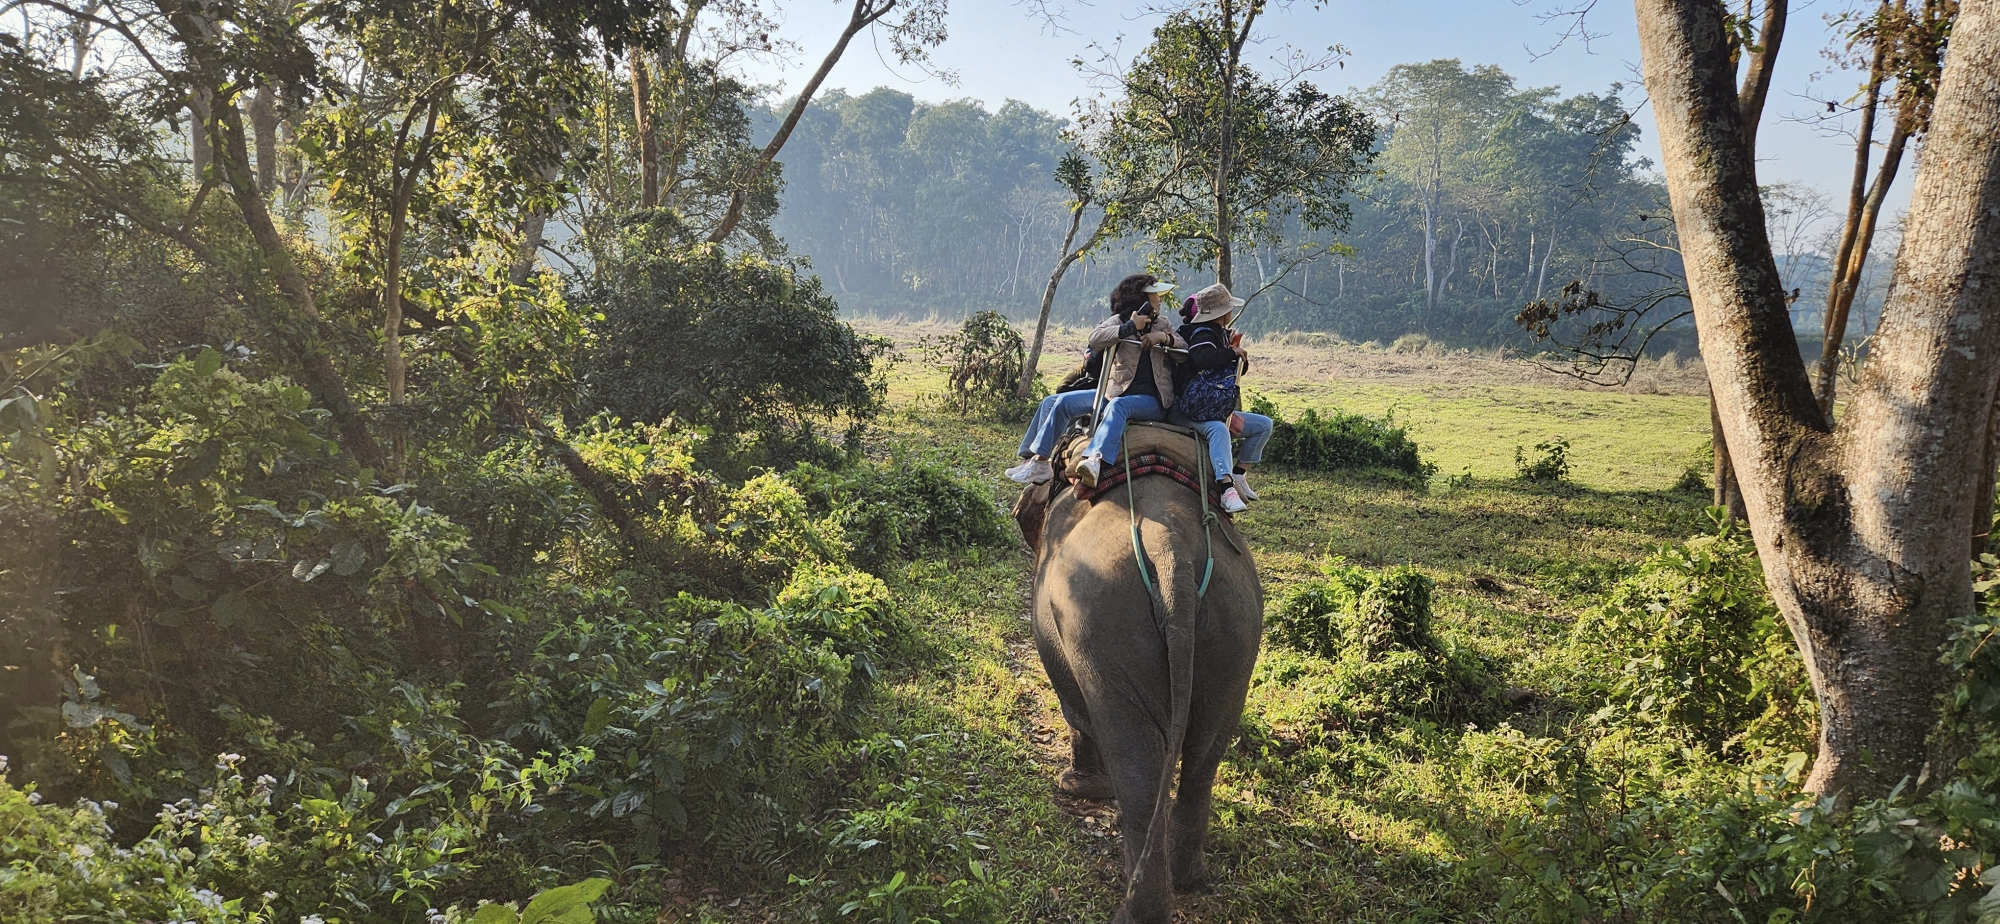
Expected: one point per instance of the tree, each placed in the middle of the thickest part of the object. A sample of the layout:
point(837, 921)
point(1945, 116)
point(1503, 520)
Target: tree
point(919, 28)
point(1440, 116)
point(1906, 50)
point(1860, 524)
point(1234, 155)
point(442, 91)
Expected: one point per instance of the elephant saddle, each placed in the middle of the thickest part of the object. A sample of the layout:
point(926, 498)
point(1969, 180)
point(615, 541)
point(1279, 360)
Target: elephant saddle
point(1153, 449)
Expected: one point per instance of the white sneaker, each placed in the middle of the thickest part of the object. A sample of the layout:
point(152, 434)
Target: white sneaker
point(1242, 482)
point(1232, 502)
point(1089, 470)
point(1031, 471)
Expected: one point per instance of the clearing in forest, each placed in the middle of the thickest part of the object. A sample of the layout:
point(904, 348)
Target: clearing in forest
point(1312, 823)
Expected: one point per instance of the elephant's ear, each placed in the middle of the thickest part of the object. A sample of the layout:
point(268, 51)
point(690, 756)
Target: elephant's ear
point(1031, 511)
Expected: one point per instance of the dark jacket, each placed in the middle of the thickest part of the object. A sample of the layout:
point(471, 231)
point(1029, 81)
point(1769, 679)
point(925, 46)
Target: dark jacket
point(1207, 348)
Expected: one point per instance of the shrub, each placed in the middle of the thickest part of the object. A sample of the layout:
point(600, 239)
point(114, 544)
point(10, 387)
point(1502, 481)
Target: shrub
point(1551, 465)
point(982, 364)
point(733, 343)
point(1376, 628)
point(309, 843)
point(901, 509)
point(1693, 646)
point(713, 723)
point(1341, 441)
point(63, 864)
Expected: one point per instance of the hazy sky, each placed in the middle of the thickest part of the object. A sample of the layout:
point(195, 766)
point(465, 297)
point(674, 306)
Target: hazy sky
point(1000, 51)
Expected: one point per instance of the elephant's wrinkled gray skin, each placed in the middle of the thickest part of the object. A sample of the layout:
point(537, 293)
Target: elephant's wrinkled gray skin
point(1109, 662)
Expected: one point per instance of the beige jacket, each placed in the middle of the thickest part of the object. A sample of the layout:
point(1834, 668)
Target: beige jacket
point(1125, 359)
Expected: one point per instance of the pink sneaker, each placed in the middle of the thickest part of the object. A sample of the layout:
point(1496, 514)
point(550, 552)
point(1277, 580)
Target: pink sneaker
point(1232, 502)
point(1243, 486)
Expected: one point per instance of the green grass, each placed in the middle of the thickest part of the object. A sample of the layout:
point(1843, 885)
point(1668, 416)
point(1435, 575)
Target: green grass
point(1619, 441)
point(1310, 825)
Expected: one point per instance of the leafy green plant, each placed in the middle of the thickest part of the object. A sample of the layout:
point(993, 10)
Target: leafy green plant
point(982, 362)
point(1551, 465)
point(568, 904)
point(901, 509)
point(731, 343)
point(1376, 628)
point(1338, 441)
point(1693, 646)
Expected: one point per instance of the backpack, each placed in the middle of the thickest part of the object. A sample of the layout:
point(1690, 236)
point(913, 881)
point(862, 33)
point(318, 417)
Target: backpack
point(1210, 394)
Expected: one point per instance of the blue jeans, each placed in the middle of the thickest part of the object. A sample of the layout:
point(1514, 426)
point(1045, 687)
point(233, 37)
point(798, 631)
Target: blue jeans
point(1111, 430)
point(1052, 418)
point(1256, 432)
point(1219, 453)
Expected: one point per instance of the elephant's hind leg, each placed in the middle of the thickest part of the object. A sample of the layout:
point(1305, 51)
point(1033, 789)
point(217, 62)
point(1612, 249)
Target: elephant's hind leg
point(1085, 777)
point(1137, 754)
point(1209, 737)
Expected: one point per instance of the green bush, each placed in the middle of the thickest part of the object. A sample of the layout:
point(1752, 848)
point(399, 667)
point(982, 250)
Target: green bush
point(982, 362)
point(1680, 835)
point(1550, 466)
point(64, 864)
point(901, 509)
point(732, 343)
point(311, 844)
point(1341, 441)
point(1693, 646)
point(1376, 628)
point(712, 723)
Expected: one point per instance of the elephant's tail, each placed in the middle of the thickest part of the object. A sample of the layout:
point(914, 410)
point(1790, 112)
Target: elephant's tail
point(1175, 595)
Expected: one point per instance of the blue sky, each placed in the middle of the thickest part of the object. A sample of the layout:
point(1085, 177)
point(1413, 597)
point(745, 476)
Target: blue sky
point(999, 51)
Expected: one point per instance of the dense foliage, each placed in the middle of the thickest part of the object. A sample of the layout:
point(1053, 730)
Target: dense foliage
point(1640, 819)
point(1336, 441)
point(1389, 665)
point(730, 342)
point(359, 567)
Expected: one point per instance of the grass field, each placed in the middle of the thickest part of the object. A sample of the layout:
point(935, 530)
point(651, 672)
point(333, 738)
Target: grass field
point(1308, 828)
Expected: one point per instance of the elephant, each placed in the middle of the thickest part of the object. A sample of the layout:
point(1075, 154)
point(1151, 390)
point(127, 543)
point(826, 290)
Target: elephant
point(1144, 696)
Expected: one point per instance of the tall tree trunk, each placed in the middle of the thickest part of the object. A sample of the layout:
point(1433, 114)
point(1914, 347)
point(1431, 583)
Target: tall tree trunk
point(395, 370)
point(1728, 495)
point(533, 231)
point(1857, 197)
point(200, 149)
point(1862, 527)
point(1027, 387)
point(642, 125)
point(864, 14)
point(1848, 280)
point(1430, 251)
point(303, 335)
point(264, 126)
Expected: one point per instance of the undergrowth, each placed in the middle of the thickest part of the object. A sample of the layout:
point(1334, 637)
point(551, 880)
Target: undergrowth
point(1336, 441)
